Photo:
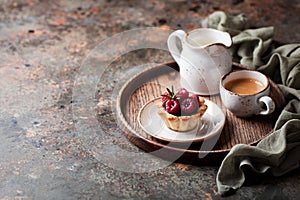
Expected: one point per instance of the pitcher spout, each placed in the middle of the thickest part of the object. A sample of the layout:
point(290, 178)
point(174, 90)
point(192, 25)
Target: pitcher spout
point(201, 38)
point(225, 39)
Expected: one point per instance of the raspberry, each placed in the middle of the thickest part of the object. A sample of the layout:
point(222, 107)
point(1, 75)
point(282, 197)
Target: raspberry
point(189, 106)
point(182, 94)
point(165, 97)
point(196, 97)
point(172, 106)
point(180, 103)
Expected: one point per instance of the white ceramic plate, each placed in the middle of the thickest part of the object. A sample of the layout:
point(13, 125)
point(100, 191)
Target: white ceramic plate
point(212, 124)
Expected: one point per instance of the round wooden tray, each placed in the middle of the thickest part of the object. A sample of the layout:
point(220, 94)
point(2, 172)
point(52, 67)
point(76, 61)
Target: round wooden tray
point(151, 82)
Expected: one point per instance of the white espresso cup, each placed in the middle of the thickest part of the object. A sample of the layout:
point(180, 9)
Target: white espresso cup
point(246, 93)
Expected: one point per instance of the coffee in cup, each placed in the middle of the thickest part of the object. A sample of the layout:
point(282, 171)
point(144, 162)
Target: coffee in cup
point(244, 86)
point(246, 93)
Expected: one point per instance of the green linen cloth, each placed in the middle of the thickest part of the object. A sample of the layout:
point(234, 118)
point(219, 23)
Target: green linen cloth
point(278, 153)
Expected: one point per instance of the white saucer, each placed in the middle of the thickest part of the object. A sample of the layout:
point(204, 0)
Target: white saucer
point(212, 124)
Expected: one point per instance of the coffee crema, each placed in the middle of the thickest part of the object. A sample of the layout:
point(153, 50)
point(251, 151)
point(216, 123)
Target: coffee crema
point(244, 86)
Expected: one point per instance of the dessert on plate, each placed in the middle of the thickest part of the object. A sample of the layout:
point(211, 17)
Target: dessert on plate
point(181, 110)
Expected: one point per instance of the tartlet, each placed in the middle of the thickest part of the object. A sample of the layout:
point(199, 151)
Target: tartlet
point(182, 120)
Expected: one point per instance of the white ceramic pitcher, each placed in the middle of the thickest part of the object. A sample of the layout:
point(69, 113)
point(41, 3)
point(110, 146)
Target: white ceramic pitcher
point(203, 58)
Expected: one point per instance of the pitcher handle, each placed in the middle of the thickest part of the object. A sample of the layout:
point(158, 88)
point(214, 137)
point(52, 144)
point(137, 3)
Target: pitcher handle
point(174, 46)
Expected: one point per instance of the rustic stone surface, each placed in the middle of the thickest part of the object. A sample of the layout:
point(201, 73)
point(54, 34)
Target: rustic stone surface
point(46, 45)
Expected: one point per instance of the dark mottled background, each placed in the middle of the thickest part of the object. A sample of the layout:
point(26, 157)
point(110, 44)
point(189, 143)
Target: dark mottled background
point(43, 44)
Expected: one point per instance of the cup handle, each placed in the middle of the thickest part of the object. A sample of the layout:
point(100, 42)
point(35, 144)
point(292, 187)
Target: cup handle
point(269, 103)
point(174, 46)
